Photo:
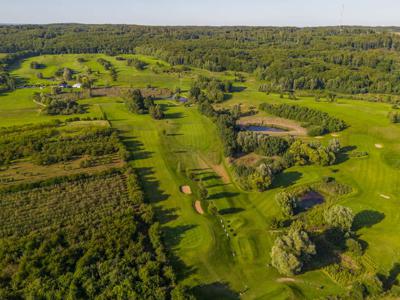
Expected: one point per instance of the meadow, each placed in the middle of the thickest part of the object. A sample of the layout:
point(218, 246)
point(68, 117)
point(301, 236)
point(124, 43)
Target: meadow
point(228, 257)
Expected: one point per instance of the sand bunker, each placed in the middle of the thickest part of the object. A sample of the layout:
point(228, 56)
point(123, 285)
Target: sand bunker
point(286, 279)
point(334, 134)
point(197, 206)
point(186, 189)
point(379, 146)
point(384, 196)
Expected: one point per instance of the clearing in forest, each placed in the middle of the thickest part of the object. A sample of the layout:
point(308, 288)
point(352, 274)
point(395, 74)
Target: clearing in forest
point(293, 128)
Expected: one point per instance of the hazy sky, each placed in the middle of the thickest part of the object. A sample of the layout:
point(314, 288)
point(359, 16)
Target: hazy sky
point(203, 12)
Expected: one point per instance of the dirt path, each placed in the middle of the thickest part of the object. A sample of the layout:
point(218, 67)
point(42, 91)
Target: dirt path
point(218, 169)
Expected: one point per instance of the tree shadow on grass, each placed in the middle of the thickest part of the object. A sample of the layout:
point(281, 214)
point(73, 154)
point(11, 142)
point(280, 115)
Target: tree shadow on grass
point(172, 236)
point(286, 179)
point(136, 148)
point(221, 195)
point(391, 279)
point(231, 210)
point(344, 154)
point(367, 218)
point(215, 290)
point(151, 185)
point(210, 177)
point(329, 245)
point(238, 89)
point(165, 215)
point(175, 115)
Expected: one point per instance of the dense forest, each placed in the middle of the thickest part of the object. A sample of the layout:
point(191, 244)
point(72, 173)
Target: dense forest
point(347, 60)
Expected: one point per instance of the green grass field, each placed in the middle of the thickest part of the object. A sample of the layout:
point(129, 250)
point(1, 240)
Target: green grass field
point(217, 265)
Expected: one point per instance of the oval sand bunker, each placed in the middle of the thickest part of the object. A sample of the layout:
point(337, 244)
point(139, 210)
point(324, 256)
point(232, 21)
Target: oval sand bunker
point(186, 189)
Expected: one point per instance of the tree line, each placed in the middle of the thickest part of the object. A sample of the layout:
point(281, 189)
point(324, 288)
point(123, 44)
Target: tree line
point(318, 122)
point(349, 60)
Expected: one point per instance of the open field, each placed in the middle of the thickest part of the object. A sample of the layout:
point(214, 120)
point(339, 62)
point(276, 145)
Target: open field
point(228, 257)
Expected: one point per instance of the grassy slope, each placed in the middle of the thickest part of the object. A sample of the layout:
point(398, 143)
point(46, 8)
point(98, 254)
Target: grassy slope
point(198, 242)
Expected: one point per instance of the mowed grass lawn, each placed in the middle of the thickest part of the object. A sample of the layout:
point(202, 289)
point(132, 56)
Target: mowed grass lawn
point(218, 265)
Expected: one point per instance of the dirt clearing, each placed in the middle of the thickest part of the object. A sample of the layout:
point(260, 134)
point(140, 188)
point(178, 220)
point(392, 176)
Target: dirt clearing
point(197, 206)
point(293, 128)
point(186, 189)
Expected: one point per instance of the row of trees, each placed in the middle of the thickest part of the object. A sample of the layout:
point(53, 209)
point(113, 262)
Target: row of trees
point(108, 66)
point(49, 145)
point(345, 60)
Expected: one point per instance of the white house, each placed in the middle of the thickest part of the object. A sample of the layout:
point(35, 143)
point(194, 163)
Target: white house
point(77, 85)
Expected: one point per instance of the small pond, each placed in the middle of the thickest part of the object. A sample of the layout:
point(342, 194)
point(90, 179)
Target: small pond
point(261, 128)
point(309, 200)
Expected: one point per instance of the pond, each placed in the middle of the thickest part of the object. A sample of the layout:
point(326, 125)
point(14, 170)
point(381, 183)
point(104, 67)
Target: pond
point(309, 200)
point(261, 128)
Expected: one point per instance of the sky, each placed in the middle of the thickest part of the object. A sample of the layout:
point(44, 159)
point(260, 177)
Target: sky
point(204, 12)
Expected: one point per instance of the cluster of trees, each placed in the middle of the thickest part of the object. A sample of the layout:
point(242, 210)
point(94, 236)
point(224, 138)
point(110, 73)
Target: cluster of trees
point(51, 144)
point(136, 103)
point(257, 178)
point(318, 122)
point(250, 141)
point(293, 250)
point(346, 60)
point(211, 89)
point(64, 257)
point(53, 105)
point(108, 66)
point(137, 63)
point(284, 153)
point(7, 82)
point(303, 153)
point(394, 117)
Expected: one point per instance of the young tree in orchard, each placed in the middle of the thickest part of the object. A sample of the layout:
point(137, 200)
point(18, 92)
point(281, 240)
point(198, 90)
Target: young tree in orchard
point(291, 251)
point(339, 217)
